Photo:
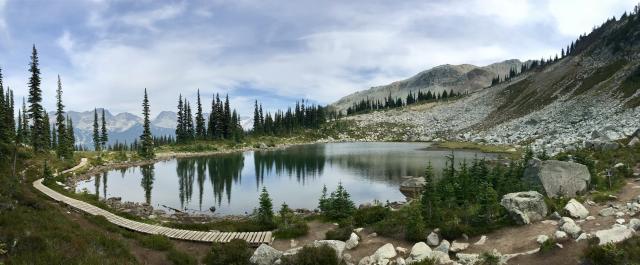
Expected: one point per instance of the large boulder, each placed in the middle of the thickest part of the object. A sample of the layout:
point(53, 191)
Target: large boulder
point(443, 247)
point(412, 187)
point(576, 209)
point(616, 234)
point(265, 255)
point(352, 242)
point(571, 228)
point(433, 239)
point(558, 178)
point(419, 252)
point(382, 256)
point(525, 207)
point(337, 245)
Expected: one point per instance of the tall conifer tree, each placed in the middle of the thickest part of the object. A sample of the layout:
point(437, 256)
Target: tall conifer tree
point(97, 141)
point(146, 139)
point(201, 131)
point(38, 126)
point(104, 136)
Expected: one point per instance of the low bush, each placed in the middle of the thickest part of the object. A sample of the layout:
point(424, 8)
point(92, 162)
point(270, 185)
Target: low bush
point(322, 255)
point(488, 258)
point(342, 232)
point(297, 228)
point(548, 245)
point(180, 258)
point(370, 215)
point(235, 252)
point(156, 242)
point(608, 254)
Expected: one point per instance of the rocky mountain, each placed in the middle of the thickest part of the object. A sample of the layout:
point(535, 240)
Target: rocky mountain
point(122, 127)
point(459, 78)
point(126, 127)
point(590, 96)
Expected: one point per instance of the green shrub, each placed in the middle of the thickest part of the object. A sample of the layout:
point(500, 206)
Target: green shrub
point(235, 252)
point(342, 232)
point(156, 242)
point(556, 204)
point(322, 255)
point(180, 258)
point(608, 254)
point(488, 258)
point(370, 215)
point(297, 228)
point(392, 225)
point(548, 245)
point(338, 205)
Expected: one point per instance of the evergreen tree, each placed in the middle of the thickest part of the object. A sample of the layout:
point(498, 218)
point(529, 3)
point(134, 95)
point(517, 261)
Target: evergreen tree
point(97, 142)
point(180, 126)
point(146, 139)
point(256, 118)
point(201, 131)
point(54, 138)
point(10, 131)
point(265, 211)
point(62, 149)
point(415, 229)
point(3, 108)
point(226, 118)
point(38, 126)
point(104, 136)
point(70, 137)
point(47, 130)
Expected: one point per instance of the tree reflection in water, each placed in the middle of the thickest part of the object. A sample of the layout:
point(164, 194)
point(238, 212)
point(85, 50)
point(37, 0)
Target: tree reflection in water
point(299, 161)
point(147, 181)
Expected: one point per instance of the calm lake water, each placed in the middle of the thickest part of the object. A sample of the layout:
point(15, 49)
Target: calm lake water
point(232, 182)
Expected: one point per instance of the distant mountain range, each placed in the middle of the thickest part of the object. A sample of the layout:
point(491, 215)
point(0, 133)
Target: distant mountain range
point(125, 127)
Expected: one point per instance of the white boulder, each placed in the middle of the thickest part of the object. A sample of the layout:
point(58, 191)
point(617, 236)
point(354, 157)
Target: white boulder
point(265, 255)
point(576, 209)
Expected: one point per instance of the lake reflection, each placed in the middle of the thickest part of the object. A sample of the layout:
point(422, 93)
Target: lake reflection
point(294, 175)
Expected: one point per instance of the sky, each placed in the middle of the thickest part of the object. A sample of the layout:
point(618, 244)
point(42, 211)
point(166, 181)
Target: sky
point(277, 52)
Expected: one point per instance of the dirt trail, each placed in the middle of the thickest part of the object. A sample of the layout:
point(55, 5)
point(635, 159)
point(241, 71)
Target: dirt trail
point(522, 238)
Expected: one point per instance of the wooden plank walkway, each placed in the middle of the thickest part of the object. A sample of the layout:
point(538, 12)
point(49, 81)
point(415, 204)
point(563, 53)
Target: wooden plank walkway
point(253, 238)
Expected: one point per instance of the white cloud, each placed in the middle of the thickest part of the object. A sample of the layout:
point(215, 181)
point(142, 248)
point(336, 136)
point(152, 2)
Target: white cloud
point(148, 19)
point(4, 29)
point(65, 42)
point(575, 17)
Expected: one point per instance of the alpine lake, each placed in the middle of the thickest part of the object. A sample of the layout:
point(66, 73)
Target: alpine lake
point(231, 183)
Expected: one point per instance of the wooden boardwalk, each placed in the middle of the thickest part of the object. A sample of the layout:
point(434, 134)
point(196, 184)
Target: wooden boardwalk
point(253, 238)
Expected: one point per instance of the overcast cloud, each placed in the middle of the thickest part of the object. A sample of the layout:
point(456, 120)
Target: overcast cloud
point(107, 52)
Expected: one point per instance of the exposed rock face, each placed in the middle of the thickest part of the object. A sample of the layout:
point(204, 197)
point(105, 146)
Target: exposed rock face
point(616, 234)
point(576, 209)
point(413, 187)
point(558, 178)
point(525, 207)
point(265, 255)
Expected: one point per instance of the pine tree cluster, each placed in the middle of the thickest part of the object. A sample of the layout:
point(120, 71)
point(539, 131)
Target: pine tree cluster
point(367, 105)
point(303, 116)
point(32, 126)
point(223, 123)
